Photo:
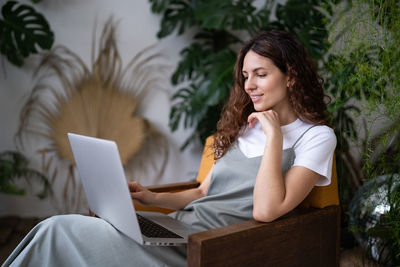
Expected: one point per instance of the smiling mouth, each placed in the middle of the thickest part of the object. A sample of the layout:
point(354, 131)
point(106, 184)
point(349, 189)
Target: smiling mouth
point(255, 98)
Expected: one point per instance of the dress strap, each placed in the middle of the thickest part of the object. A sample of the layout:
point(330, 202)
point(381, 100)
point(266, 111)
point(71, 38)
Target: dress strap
point(302, 135)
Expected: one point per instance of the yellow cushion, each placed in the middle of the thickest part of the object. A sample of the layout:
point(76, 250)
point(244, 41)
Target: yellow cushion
point(320, 196)
point(324, 196)
point(207, 160)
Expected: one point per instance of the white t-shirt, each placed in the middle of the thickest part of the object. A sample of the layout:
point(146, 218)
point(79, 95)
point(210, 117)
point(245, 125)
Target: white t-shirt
point(313, 151)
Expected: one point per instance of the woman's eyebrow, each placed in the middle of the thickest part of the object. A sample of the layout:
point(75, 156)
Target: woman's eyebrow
point(259, 68)
point(254, 70)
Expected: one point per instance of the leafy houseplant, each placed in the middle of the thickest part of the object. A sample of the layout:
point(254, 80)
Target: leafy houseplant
point(13, 166)
point(372, 33)
point(22, 31)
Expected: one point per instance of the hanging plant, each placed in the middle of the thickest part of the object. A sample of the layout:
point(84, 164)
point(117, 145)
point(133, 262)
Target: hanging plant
point(100, 101)
point(22, 31)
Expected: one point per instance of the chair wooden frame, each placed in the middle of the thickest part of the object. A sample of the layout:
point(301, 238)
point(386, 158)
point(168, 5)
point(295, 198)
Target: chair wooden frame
point(303, 237)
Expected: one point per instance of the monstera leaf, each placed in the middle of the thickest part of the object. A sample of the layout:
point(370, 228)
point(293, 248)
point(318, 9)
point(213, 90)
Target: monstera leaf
point(223, 14)
point(177, 14)
point(22, 31)
point(308, 25)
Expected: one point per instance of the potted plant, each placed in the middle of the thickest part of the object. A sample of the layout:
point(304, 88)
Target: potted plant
point(14, 166)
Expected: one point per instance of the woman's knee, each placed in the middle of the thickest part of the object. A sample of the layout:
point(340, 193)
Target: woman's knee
point(67, 221)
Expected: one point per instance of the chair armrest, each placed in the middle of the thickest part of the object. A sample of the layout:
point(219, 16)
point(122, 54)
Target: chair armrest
point(307, 237)
point(175, 187)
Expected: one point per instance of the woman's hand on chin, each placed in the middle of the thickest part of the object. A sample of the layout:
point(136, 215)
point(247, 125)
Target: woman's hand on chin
point(268, 119)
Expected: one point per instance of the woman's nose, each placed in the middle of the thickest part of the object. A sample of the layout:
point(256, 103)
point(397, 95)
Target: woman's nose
point(249, 84)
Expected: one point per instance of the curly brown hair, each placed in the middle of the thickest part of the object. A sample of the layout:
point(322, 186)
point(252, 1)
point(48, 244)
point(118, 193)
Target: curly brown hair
point(306, 94)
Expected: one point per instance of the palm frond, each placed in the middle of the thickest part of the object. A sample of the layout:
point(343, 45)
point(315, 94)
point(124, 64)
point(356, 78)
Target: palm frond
point(100, 101)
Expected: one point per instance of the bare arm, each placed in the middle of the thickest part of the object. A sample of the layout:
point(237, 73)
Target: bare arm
point(275, 195)
point(175, 201)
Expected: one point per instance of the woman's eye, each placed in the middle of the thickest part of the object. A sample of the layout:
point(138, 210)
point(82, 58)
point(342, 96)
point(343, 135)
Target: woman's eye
point(261, 75)
point(245, 78)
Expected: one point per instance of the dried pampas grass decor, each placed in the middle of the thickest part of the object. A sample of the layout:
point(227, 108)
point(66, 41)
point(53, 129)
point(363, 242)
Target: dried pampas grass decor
point(101, 101)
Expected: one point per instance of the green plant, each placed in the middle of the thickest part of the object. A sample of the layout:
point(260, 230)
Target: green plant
point(372, 32)
point(347, 90)
point(207, 63)
point(22, 31)
point(13, 166)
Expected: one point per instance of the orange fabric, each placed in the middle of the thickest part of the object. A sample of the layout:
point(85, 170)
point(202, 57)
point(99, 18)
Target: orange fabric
point(324, 196)
point(207, 160)
point(320, 196)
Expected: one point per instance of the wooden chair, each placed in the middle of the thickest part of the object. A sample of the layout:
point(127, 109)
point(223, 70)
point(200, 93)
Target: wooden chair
point(307, 236)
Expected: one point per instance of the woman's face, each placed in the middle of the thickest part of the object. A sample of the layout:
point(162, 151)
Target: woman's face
point(265, 83)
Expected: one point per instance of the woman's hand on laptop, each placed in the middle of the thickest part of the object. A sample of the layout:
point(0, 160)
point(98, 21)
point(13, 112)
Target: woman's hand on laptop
point(175, 200)
point(141, 194)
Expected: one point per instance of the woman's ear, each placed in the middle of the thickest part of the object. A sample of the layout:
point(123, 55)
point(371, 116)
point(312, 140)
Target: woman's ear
point(290, 77)
point(290, 83)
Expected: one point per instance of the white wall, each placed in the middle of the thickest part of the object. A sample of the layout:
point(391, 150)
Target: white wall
point(73, 22)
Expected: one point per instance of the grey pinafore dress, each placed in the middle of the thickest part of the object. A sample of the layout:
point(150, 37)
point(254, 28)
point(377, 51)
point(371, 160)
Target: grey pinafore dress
point(77, 240)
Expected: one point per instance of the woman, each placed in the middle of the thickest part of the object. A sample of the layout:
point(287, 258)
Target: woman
point(272, 147)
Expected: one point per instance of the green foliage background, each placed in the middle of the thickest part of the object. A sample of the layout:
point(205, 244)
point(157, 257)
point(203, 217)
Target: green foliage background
point(372, 34)
point(22, 32)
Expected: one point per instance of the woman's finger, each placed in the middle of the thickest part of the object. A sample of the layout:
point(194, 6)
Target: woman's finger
point(134, 186)
point(138, 197)
point(253, 122)
point(253, 118)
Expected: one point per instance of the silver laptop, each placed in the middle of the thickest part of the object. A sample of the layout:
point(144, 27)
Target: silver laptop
point(107, 192)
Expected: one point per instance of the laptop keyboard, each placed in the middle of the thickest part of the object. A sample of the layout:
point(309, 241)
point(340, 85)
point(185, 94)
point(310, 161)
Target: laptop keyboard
point(151, 229)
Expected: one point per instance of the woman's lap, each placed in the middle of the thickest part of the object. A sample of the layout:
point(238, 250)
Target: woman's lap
point(76, 240)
